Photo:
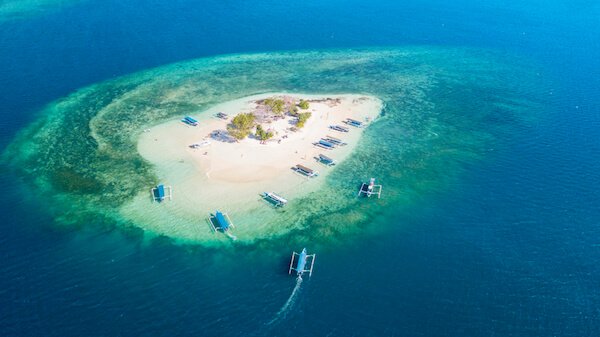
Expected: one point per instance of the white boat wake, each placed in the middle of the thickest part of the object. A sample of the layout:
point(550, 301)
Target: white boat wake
point(282, 313)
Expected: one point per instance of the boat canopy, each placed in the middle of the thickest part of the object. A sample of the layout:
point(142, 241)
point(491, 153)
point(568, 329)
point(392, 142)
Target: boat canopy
point(279, 200)
point(304, 169)
point(222, 221)
point(326, 143)
point(324, 158)
point(160, 192)
point(189, 120)
point(301, 261)
point(354, 122)
point(339, 128)
point(333, 140)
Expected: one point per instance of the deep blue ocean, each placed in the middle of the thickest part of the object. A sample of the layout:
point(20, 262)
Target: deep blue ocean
point(512, 249)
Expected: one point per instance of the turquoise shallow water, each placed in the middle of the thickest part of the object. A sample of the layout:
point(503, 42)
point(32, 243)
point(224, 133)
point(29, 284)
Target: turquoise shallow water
point(493, 233)
point(22, 9)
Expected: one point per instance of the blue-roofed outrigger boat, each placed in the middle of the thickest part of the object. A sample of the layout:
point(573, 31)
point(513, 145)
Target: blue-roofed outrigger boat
point(326, 160)
point(221, 222)
point(354, 122)
point(334, 141)
point(161, 192)
point(299, 262)
point(339, 128)
point(325, 144)
point(189, 121)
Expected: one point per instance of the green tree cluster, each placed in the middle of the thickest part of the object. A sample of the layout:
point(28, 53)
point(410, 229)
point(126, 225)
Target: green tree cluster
point(263, 134)
point(302, 118)
point(241, 125)
point(303, 104)
point(277, 105)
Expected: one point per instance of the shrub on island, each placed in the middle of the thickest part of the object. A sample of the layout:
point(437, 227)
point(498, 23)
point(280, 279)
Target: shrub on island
point(302, 118)
point(277, 105)
point(241, 125)
point(263, 134)
point(303, 104)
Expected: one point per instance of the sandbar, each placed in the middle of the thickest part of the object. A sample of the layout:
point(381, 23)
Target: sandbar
point(220, 173)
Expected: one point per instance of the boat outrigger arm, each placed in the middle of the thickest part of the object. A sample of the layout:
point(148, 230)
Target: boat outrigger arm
point(301, 262)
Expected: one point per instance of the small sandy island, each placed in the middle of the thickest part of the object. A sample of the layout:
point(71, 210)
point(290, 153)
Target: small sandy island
point(209, 169)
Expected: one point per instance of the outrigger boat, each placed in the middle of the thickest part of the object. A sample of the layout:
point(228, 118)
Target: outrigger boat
point(354, 122)
point(159, 193)
point(370, 189)
point(334, 141)
point(189, 121)
point(220, 222)
point(200, 144)
point(339, 128)
point(222, 115)
point(299, 262)
point(326, 160)
point(306, 171)
point(325, 144)
point(275, 199)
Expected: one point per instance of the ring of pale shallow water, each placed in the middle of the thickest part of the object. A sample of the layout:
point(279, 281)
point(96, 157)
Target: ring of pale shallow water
point(88, 161)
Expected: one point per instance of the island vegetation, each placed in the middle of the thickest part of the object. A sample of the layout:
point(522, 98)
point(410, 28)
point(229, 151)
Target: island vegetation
point(267, 111)
point(303, 104)
point(241, 125)
point(262, 134)
point(302, 118)
point(276, 105)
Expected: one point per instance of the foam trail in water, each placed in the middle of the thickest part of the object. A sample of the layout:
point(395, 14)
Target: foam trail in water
point(282, 313)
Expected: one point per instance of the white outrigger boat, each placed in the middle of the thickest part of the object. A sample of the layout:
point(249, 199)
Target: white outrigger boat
point(275, 199)
point(203, 143)
point(370, 189)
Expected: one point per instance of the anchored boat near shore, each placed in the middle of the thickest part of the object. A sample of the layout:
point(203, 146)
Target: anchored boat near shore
point(275, 199)
point(326, 160)
point(161, 192)
point(221, 222)
point(354, 122)
point(339, 128)
point(308, 172)
point(190, 121)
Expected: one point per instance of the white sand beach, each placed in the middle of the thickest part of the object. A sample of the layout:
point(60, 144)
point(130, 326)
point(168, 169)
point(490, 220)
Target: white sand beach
point(223, 175)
